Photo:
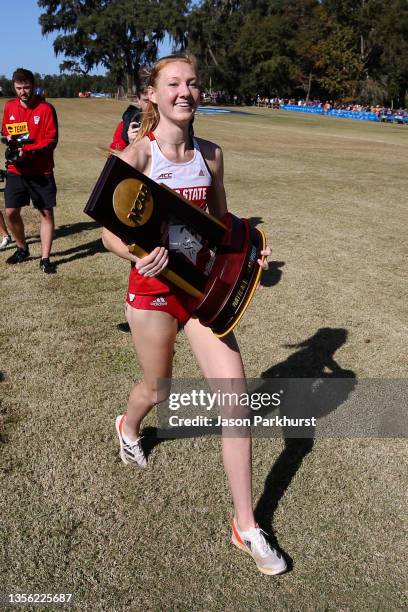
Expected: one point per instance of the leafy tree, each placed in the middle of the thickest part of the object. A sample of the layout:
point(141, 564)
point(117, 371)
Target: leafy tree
point(121, 35)
point(380, 34)
point(264, 52)
point(212, 28)
point(6, 86)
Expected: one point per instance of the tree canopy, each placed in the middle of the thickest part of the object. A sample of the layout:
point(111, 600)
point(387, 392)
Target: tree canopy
point(328, 49)
point(120, 35)
point(333, 49)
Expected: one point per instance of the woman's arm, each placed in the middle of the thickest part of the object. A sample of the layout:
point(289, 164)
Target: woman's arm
point(150, 265)
point(138, 156)
point(114, 244)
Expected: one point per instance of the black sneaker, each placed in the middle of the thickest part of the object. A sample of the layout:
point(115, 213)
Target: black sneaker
point(123, 327)
point(18, 256)
point(47, 267)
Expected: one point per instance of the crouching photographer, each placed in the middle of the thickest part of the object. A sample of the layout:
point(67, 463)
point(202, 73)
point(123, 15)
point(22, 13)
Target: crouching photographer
point(30, 132)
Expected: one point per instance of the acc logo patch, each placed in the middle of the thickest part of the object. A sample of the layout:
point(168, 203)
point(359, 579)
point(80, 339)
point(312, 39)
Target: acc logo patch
point(14, 129)
point(36, 119)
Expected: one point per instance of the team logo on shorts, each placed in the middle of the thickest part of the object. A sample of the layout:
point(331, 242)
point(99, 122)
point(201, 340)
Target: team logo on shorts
point(159, 301)
point(131, 296)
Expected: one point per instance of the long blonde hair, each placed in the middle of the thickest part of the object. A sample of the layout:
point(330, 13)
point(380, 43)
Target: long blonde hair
point(151, 115)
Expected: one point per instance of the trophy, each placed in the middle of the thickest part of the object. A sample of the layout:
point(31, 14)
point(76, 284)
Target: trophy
point(213, 261)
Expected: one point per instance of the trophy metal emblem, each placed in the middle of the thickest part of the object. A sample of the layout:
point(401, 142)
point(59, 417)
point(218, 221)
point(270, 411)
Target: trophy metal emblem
point(213, 261)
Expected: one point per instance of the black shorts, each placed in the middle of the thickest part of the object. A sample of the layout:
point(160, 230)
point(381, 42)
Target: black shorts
point(42, 191)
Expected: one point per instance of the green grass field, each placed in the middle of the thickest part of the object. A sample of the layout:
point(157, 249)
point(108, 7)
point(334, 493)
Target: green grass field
point(331, 196)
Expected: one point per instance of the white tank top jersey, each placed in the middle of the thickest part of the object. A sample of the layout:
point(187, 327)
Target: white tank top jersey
point(191, 179)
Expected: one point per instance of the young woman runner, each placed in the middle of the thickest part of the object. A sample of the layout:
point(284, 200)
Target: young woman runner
point(164, 146)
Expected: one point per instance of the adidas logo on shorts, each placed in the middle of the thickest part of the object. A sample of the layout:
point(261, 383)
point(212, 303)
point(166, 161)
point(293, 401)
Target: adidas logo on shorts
point(159, 301)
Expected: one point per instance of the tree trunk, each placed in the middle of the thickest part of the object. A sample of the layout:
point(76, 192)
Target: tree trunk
point(309, 87)
point(130, 84)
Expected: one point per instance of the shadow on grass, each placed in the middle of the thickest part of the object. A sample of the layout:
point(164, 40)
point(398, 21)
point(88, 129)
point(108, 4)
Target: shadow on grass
point(255, 221)
point(74, 228)
point(273, 274)
point(313, 360)
point(79, 252)
point(151, 439)
point(62, 231)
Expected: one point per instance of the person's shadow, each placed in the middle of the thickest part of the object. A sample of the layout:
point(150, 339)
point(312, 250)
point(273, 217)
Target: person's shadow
point(74, 228)
point(80, 251)
point(273, 274)
point(87, 249)
point(67, 229)
point(313, 360)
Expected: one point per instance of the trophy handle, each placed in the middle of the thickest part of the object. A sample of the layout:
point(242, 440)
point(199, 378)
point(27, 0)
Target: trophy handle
point(169, 274)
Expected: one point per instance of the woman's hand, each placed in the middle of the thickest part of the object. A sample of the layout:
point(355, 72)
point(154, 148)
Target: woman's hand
point(154, 263)
point(266, 252)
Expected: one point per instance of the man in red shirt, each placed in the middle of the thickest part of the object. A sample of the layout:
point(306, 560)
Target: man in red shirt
point(30, 165)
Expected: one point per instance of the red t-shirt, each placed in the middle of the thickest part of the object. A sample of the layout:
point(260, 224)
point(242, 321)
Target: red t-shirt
point(39, 122)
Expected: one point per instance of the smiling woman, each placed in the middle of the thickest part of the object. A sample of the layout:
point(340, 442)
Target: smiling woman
point(166, 150)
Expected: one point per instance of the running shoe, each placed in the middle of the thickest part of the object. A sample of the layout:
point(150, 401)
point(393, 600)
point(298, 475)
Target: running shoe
point(131, 451)
point(5, 242)
point(18, 256)
point(268, 560)
point(47, 267)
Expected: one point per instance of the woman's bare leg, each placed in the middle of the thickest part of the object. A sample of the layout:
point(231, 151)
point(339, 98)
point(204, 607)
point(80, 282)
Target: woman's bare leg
point(153, 335)
point(221, 359)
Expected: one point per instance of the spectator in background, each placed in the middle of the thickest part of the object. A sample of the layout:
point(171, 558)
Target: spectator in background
point(30, 174)
point(127, 129)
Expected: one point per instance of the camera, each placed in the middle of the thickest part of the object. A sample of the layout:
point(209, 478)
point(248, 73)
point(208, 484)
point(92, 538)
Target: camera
point(13, 145)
